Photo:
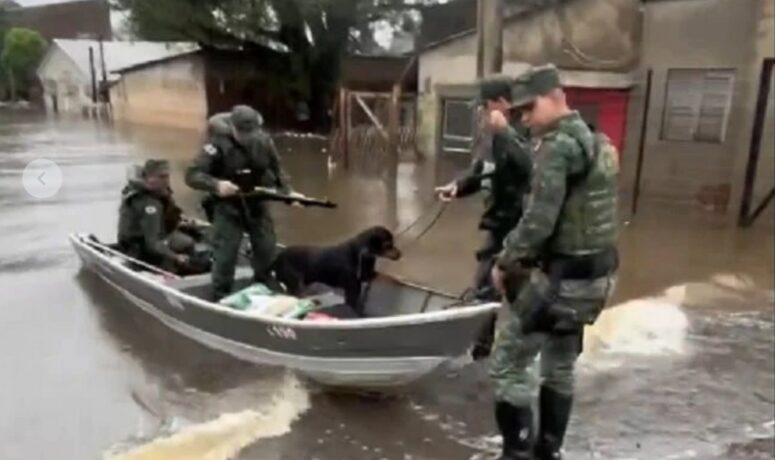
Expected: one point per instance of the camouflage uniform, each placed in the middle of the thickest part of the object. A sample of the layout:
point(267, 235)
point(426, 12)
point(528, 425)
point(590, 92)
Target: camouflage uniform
point(250, 162)
point(507, 181)
point(568, 233)
point(148, 221)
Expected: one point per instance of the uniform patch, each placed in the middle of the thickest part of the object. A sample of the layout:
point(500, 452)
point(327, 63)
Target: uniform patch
point(150, 210)
point(210, 149)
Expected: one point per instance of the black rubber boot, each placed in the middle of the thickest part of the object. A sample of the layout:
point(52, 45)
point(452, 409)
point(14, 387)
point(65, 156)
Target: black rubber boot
point(516, 426)
point(555, 411)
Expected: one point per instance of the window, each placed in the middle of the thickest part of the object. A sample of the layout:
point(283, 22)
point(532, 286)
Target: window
point(457, 133)
point(697, 104)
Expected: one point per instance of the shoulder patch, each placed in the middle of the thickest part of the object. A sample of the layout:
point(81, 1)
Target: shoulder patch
point(210, 149)
point(150, 210)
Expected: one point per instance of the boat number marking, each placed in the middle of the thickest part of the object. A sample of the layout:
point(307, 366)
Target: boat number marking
point(281, 332)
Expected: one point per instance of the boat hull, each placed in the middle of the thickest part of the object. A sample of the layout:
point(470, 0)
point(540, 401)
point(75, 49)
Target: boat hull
point(365, 353)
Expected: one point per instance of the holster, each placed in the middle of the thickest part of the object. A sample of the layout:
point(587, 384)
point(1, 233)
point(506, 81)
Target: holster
point(541, 311)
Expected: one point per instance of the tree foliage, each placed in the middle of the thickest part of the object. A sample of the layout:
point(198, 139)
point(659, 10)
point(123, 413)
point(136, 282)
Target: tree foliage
point(315, 33)
point(21, 53)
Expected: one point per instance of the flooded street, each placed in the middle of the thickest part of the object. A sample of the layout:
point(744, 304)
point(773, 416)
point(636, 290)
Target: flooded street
point(682, 367)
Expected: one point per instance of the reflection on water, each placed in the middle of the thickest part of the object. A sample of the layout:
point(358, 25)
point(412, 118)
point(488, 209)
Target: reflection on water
point(229, 433)
point(683, 361)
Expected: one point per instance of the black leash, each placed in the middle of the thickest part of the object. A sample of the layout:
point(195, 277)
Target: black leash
point(436, 210)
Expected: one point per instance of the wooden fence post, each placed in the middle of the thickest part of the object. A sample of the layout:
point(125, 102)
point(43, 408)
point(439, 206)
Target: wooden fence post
point(344, 131)
point(394, 121)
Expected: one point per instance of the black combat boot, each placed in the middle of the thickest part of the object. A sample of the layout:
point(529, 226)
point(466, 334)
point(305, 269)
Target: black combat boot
point(516, 426)
point(555, 411)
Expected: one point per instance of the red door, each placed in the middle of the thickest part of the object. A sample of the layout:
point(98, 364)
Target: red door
point(604, 108)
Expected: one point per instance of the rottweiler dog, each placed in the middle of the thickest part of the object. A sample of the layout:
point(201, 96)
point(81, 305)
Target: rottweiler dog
point(348, 265)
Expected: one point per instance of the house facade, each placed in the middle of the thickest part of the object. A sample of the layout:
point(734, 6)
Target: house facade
point(594, 42)
point(66, 70)
point(182, 91)
point(169, 92)
point(704, 58)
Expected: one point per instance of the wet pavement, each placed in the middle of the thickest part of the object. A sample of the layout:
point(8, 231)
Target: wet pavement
point(681, 367)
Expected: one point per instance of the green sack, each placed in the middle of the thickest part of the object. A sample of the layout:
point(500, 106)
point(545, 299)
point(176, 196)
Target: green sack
point(241, 300)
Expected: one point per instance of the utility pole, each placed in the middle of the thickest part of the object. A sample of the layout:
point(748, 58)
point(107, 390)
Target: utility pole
point(104, 84)
point(93, 75)
point(489, 45)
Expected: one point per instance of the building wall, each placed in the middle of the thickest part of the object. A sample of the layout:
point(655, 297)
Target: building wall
point(167, 94)
point(65, 88)
point(599, 35)
point(691, 34)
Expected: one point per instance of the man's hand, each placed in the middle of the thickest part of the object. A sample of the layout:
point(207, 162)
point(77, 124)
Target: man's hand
point(503, 280)
point(182, 259)
point(497, 120)
point(226, 188)
point(447, 192)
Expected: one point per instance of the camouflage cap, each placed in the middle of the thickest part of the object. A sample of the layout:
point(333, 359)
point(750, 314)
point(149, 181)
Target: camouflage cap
point(538, 81)
point(154, 167)
point(493, 88)
point(245, 119)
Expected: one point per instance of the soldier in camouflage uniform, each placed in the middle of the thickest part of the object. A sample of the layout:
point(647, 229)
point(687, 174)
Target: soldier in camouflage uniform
point(149, 218)
point(507, 179)
point(237, 157)
point(565, 247)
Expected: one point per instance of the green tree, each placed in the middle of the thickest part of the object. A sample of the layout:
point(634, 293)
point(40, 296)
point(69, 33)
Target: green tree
point(22, 51)
point(315, 33)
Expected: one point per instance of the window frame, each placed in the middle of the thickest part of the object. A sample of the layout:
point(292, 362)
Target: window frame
point(454, 137)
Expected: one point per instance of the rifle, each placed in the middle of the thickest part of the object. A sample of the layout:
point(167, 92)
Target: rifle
point(269, 194)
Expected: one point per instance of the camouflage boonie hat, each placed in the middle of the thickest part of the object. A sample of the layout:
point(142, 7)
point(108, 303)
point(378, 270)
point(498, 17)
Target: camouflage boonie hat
point(538, 81)
point(154, 167)
point(245, 119)
point(493, 88)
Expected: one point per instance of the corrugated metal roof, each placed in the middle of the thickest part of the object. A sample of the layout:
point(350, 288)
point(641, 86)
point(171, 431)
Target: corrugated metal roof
point(120, 54)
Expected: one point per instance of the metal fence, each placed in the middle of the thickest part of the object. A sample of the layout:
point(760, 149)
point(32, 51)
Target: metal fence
point(361, 138)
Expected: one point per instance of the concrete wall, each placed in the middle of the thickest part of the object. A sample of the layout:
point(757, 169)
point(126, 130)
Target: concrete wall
point(64, 85)
point(166, 94)
point(703, 34)
point(600, 35)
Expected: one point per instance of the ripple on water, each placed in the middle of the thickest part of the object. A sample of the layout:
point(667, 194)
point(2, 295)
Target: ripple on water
point(225, 436)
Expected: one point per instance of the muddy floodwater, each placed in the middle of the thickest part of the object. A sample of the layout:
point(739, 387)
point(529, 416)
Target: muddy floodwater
point(681, 366)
